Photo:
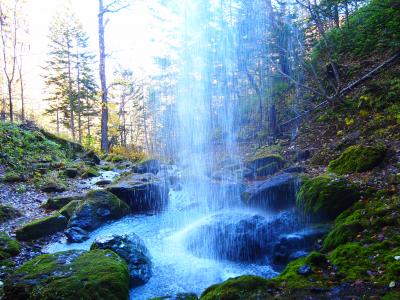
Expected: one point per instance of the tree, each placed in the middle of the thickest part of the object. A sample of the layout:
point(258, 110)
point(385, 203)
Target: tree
point(8, 30)
point(112, 7)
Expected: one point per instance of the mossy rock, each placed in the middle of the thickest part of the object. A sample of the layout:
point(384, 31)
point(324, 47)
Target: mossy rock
point(8, 247)
point(97, 208)
point(13, 177)
point(341, 234)
point(8, 213)
point(90, 173)
point(239, 288)
point(70, 275)
point(41, 228)
point(262, 162)
point(56, 203)
point(324, 198)
point(357, 159)
point(68, 210)
point(269, 169)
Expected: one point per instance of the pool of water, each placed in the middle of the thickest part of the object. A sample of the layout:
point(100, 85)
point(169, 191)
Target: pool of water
point(175, 269)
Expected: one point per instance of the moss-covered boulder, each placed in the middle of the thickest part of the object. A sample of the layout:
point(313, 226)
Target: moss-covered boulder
point(265, 164)
point(8, 247)
point(90, 173)
point(41, 228)
point(357, 159)
point(70, 275)
point(8, 213)
point(12, 177)
point(324, 198)
point(68, 210)
point(97, 208)
point(240, 288)
point(56, 203)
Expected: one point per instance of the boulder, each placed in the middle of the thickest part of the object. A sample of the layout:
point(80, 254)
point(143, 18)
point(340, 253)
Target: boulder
point(52, 187)
point(293, 245)
point(71, 172)
point(90, 173)
point(8, 213)
point(76, 235)
point(264, 164)
point(97, 208)
point(68, 210)
point(239, 236)
point(92, 157)
point(357, 159)
point(60, 201)
point(42, 227)
point(8, 247)
point(133, 250)
point(148, 166)
point(323, 198)
point(70, 275)
point(278, 192)
point(145, 193)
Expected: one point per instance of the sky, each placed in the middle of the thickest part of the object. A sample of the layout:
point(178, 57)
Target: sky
point(133, 37)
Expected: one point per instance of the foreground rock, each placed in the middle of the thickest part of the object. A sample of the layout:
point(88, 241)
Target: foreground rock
point(8, 213)
point(8, 247)
point(278, 192)
point(41, 228)
point(133, 250)
point(70, 275)
point(144, 193)
point(239, 237)
point(76, 235)
point(97, 208)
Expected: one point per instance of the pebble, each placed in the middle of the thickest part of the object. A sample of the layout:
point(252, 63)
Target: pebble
point(392, 284)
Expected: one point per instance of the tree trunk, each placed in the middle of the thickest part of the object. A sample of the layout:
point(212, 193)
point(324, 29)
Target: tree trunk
point(104, 100)
point(71, 101)
point(21, 82)
point(79, 100)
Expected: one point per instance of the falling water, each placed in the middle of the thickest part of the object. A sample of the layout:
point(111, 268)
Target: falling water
point(206, 234)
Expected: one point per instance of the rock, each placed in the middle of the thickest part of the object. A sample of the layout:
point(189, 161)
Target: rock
point(133, 250)
point(12, 177)
point(52, 187)
point(68, 210)
point(149, 166)
point(144, 193)
point(42, 227)
point(305, 270)
point(294, 170)
point(357, 159)
point(97, 208)
point(60, 201)
point(8, 247)
point(90, 173)
point(76, 235)
point(301, 155)
point(71, 172)
point(91, 156)
point(260, 161)
point(103, 182)
point(324, 198)
point(278, 192)
point(70, 275)
point(297, 244)
point(239, 236)
point(8, 213)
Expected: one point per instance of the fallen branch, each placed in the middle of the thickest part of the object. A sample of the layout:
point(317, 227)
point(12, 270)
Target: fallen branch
point(282, 127)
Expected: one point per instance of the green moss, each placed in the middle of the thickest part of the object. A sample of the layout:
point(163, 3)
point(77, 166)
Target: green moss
point(342, 234)
point(357, 159)
point(11, 177)
point(42, 227)
point(59, 202)
point(8, 213)
point(90, 172)
point(8, 247)
point(326, 197)
point(240, 288)
point(98, 274)
point(69, 209)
